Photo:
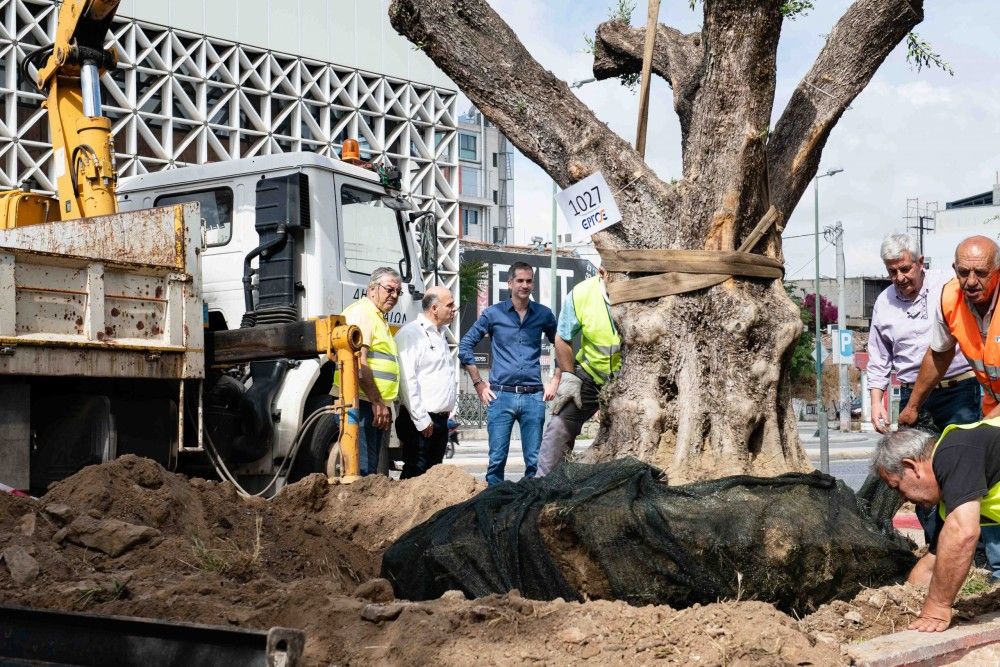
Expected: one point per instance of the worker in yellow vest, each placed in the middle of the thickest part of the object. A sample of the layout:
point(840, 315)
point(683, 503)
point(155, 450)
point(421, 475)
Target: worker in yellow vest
point(586, 312)
point(378, 375)
point(960, 473)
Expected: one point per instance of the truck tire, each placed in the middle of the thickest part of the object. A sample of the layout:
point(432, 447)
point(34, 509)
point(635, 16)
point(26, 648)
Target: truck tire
point(314, 452)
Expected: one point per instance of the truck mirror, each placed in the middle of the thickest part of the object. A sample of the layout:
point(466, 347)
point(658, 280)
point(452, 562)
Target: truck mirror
point(428, 239)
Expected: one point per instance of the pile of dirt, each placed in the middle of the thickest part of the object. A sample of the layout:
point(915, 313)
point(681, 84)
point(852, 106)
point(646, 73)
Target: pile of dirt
point(129, 538)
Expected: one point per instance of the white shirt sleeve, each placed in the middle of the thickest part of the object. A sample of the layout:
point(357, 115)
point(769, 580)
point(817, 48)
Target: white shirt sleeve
point(941, 338)
point(409, 343)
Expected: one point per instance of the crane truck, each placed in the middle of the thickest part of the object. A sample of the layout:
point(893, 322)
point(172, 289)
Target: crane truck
point(184, 315)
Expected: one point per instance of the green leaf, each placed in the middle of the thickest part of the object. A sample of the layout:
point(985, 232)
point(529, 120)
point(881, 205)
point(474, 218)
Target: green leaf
point(470, 276)
point(920, 55)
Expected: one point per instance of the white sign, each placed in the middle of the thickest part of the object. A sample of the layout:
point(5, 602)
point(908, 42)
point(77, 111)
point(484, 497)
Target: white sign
point(589, 206)
point(825, 352)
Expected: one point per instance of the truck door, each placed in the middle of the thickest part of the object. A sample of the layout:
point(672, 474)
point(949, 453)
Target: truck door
point(374, 235)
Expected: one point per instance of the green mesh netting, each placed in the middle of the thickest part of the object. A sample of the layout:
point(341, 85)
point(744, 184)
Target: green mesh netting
point(617, 530)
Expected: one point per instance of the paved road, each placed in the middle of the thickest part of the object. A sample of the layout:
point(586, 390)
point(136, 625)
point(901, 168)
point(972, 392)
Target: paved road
point(849, 454)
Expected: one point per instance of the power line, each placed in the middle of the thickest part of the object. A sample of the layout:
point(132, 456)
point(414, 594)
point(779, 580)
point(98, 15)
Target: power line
point(811, 260)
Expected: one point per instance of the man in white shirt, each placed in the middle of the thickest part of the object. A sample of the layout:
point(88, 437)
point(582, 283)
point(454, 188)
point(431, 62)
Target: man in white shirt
point(428, 383)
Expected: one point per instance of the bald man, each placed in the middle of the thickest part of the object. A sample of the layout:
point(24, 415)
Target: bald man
point(428, 383)
point(965, 316)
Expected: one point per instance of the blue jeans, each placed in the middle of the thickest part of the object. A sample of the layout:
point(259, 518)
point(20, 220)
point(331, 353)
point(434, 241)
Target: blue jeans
point(528, 410)
point(989, 537)
point(961, 404)
point(369, 437)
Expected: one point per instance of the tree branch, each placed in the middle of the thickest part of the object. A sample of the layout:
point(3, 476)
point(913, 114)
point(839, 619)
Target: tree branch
point(678, 59)
point(855, 49)
point(536, 111)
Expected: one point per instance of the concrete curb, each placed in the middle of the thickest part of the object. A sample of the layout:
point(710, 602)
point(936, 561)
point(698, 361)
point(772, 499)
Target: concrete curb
point(926, 648)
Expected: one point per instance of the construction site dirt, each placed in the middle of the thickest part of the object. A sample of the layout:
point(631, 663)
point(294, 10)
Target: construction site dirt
point(129, 538)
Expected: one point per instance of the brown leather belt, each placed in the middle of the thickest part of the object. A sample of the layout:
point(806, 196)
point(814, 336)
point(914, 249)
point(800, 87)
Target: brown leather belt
point(945, 384)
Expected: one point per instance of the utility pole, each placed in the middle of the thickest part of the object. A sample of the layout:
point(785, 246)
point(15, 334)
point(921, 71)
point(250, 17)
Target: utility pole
point(835, 235)
point(920, 218)
point(554, 280)
point(821, 422)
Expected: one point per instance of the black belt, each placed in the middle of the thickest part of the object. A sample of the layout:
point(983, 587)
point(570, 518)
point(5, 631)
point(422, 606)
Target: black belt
point(517, 388)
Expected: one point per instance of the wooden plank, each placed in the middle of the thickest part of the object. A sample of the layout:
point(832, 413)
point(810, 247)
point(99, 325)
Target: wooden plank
point(686, 261)
point(664, 284)
point(772, 217)
point(652, 18)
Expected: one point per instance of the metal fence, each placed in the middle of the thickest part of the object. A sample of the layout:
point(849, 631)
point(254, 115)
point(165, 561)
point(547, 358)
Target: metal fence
point(470, 412)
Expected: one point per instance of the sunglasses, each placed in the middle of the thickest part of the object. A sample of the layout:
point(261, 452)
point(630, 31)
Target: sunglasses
point(391, 291)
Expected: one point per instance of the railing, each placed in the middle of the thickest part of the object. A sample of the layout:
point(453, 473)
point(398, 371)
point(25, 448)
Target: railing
point(470, 412)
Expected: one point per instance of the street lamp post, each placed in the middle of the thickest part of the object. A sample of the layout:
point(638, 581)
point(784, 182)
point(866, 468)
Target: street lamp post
point(821, 423)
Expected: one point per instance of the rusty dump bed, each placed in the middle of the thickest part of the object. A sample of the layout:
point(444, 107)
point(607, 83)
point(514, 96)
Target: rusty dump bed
point(112, 296)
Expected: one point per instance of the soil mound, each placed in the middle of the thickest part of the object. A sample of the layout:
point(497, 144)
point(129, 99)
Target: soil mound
point(298, 559)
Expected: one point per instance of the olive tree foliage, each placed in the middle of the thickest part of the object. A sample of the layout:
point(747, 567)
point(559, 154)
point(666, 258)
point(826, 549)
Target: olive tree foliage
point(703, 389)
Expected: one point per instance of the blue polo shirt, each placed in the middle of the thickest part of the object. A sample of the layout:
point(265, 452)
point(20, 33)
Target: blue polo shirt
point(516, 345)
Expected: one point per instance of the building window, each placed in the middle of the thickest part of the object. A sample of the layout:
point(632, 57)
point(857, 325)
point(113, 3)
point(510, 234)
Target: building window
point(496, 197)
point(470, 216)
point(494, 159)
point(469, 182)
point(467, 146)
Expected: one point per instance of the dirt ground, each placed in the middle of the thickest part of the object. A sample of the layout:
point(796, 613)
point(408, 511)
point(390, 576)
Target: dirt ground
point(129, 538)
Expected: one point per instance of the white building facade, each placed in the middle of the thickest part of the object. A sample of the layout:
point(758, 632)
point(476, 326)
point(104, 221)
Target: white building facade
point(960, 219)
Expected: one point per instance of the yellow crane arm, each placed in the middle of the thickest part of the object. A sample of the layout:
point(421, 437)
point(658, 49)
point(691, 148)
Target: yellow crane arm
point(80, 134)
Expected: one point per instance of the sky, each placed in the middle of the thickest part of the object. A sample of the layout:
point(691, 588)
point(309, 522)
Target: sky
point(909, 134)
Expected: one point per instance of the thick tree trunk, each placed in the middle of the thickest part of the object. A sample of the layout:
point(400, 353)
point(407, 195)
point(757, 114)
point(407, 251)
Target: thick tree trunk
point(702, 392)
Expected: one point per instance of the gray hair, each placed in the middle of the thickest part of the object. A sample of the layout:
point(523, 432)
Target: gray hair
point(895, 245)
point(430, 298)
point(380, 273)
point(906, 443)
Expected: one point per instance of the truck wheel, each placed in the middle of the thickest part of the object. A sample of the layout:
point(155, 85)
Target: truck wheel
point(313, 453)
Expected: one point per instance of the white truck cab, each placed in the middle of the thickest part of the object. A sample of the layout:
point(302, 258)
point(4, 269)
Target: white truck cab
point(350, 232)
point(350, 224)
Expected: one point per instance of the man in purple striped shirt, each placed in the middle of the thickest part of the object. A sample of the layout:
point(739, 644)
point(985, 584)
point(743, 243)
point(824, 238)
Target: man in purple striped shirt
point(899, 337)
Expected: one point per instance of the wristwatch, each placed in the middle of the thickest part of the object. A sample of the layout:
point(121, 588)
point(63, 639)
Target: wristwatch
point(478, 382)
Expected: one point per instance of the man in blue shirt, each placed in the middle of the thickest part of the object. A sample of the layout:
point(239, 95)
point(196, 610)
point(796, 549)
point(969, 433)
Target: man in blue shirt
point(514, 391)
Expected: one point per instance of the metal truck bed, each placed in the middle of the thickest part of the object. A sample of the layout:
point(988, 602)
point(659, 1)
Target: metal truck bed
point(115, 296)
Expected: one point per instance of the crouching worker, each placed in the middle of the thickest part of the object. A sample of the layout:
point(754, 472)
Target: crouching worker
point(587, 312)
point(960, 473)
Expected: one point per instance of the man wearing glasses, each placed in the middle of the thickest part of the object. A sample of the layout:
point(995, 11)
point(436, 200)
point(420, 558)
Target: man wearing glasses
point(514, 391)
point(378, 375)
point(965, 315)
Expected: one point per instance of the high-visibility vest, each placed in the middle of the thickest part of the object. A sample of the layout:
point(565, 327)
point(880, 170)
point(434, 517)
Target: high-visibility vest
point(600, 349)
point(983, 356)
point(383, 358)
point(989, 505)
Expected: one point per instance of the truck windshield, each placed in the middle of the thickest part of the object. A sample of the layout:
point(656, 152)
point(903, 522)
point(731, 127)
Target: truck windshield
point(372, 233)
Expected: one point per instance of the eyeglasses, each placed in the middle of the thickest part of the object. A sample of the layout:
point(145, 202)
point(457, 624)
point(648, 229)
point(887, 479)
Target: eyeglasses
point(391, 291)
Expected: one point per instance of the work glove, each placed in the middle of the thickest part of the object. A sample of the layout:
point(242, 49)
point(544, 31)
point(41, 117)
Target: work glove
point(569, 389)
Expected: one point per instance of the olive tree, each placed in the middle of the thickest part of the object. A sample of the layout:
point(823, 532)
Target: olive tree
point(703, 389)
